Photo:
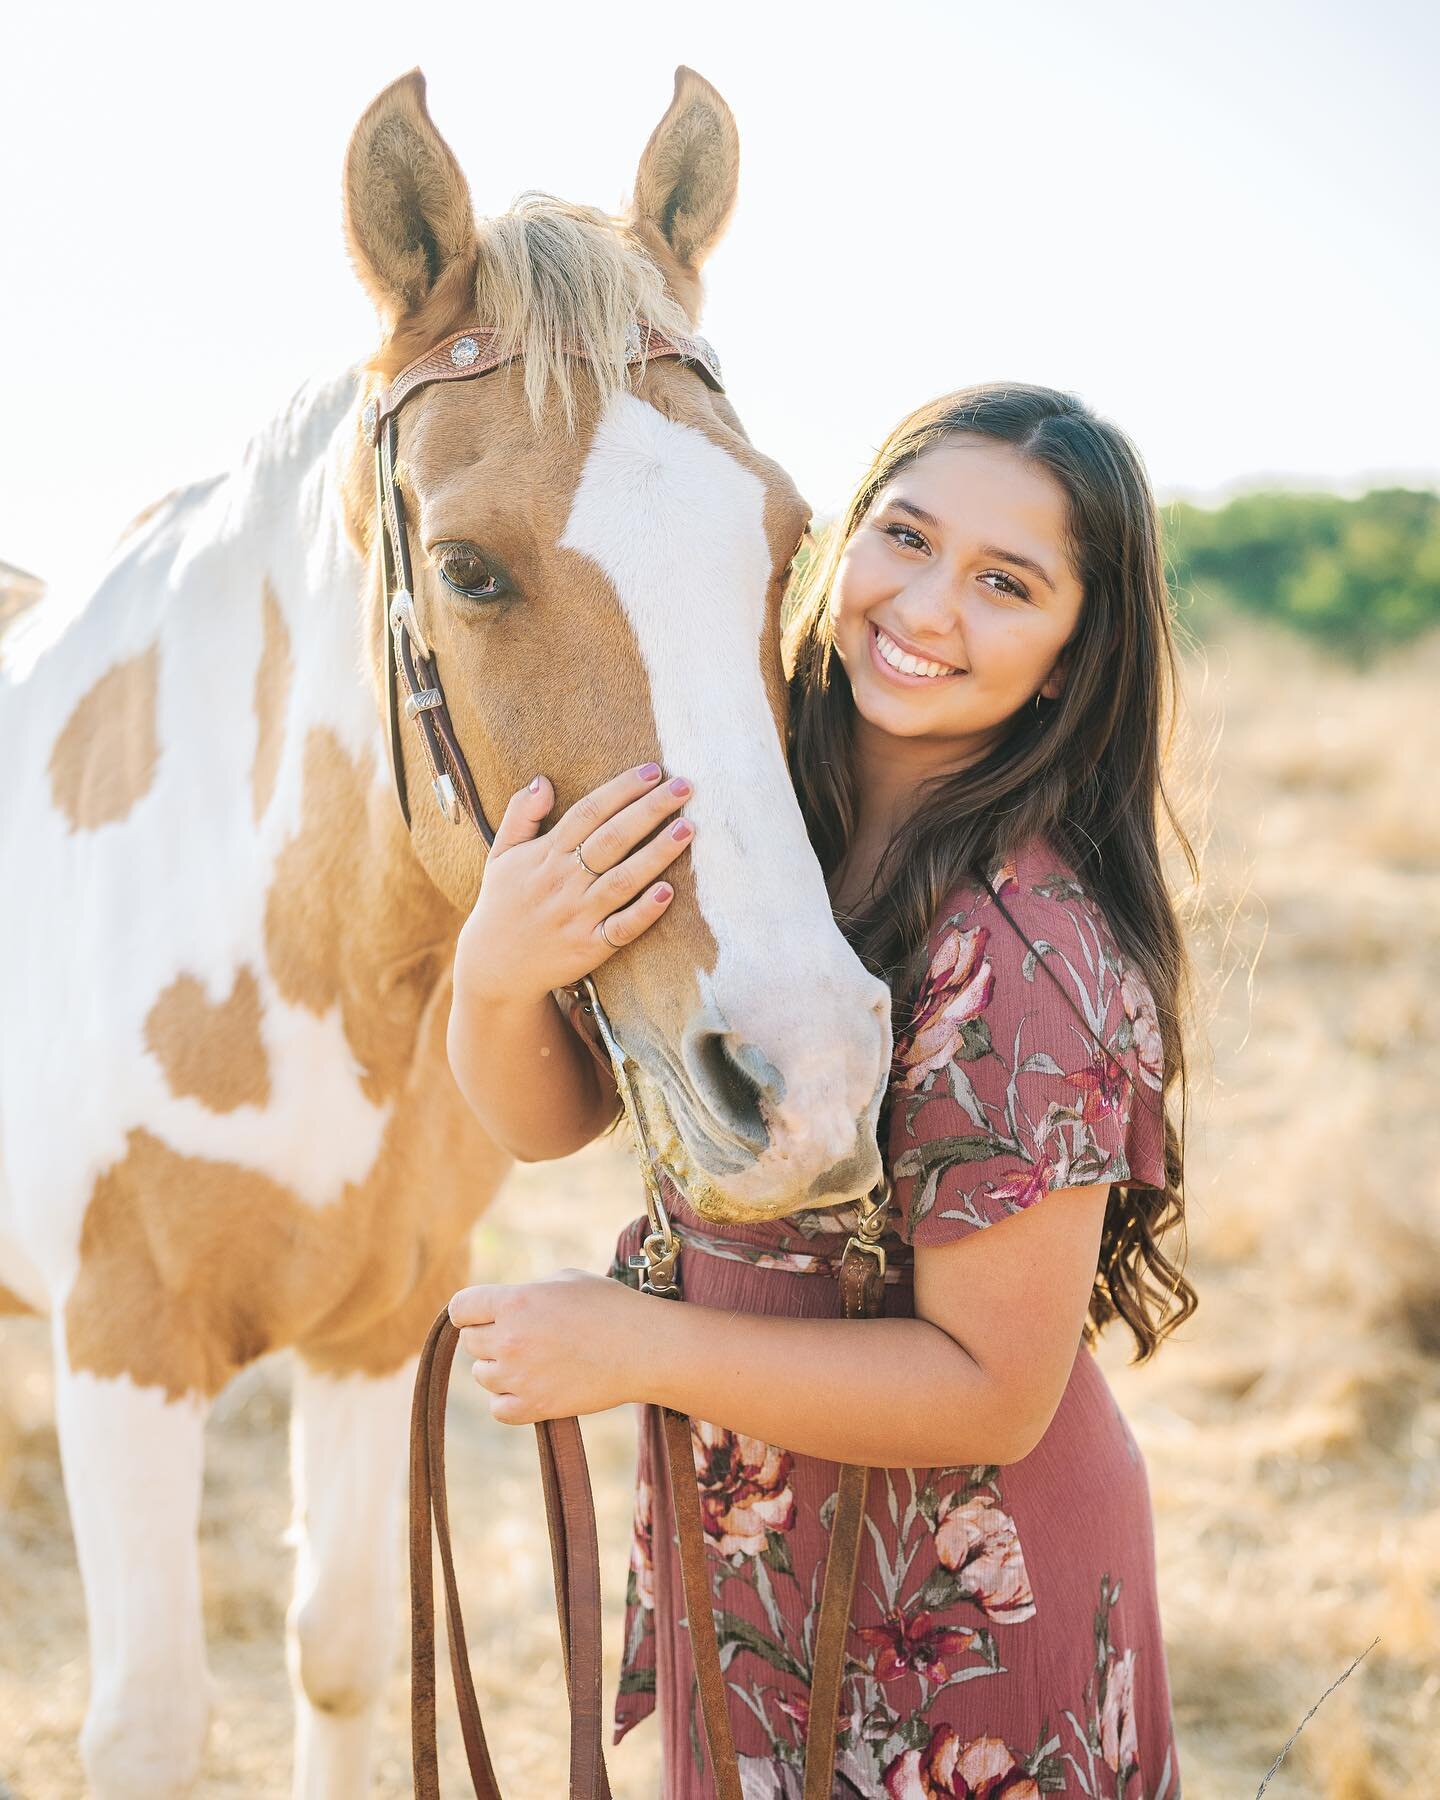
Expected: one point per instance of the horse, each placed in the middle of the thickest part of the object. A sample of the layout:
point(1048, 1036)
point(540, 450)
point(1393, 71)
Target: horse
point(227, 1120)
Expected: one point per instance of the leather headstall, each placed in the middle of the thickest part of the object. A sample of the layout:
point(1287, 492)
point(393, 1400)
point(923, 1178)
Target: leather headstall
point(462, 356)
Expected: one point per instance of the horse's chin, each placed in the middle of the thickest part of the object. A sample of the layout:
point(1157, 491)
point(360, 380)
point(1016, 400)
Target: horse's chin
point(733, 1183)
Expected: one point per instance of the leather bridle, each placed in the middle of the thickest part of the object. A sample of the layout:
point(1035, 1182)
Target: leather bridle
point(570, 1512)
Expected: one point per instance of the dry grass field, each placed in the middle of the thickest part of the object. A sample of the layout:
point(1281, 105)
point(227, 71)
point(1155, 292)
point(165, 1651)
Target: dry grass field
point(1292, 1431)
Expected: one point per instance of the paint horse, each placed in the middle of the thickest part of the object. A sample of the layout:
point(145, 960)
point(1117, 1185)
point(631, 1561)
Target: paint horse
point(227, 1122)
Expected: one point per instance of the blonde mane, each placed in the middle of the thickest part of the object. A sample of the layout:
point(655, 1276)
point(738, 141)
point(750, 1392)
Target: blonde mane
point(559, 281)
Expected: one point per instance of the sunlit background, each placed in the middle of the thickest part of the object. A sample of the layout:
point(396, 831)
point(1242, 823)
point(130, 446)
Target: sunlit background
point(1217, 225)
point(1213, 222)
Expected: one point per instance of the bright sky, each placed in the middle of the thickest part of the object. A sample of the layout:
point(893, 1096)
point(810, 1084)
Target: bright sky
point(1216, 223)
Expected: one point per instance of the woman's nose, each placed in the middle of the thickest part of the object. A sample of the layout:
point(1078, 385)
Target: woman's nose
point(928, 609)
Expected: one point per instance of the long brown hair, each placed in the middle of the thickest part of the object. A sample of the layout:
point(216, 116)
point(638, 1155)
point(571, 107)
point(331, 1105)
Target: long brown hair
point(1085, 770)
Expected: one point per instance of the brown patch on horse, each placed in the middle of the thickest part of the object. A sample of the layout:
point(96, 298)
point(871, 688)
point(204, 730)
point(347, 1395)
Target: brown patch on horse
point(213, 1054)
point(11, 1302)
point(179, 1284)
point(303, 953)
point(273, 676)
point(351, 920)
point(103, 761)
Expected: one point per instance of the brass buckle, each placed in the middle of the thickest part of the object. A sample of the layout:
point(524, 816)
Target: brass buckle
point(870, 1227)
point(656, 1264)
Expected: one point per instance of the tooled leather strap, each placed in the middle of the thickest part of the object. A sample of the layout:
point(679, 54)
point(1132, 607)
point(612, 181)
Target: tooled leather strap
point(570, 1515)
point(862, 1290)
point(700, 1604)
point(478, 350)
point(449, 772)
point(575, 1553)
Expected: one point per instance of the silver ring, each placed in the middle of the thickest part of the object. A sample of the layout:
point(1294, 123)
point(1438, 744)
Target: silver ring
point(606, 935)
point(579, 857)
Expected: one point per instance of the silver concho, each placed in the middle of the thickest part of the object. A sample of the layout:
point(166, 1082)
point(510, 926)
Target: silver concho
point(369, 418)
point(634, 343)
point(708, 356)
point(402, 618)
point(463, 352)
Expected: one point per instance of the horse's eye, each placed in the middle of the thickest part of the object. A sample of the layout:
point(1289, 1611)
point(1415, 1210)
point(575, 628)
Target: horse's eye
point(465, 571)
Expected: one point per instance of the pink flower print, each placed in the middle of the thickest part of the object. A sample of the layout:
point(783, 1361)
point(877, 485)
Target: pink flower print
point(744, 1488)
point(798, 1709)
point(915, 1646)
point(642, 1546)
point(979, 1542)
point(1024, 1190)
point(1102, 1086)
point(1139, 1004)
point(1004, 875)
point(948, 1769)
point(1119, 1744)
point(957, 987)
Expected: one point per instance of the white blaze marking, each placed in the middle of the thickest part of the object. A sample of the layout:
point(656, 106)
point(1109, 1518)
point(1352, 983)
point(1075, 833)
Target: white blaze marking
point(678, 527)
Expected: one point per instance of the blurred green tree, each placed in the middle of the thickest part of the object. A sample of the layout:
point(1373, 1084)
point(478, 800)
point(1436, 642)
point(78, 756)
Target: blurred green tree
point(1360, 575)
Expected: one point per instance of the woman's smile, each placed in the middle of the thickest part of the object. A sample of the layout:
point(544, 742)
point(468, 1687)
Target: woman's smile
point(900, 663)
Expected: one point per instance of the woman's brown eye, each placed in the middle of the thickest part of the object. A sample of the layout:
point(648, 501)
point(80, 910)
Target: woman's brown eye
point(465, 571)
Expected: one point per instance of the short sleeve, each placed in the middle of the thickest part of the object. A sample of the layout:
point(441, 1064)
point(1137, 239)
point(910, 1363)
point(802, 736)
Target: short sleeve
point(1022, 1070)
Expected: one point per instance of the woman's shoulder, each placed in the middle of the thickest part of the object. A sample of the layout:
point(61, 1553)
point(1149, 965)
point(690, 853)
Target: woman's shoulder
point(988, 946)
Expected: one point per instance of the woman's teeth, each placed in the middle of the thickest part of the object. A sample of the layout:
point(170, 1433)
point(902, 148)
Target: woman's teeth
point(904, 661)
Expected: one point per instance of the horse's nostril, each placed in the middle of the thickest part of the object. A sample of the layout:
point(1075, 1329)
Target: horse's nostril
point(736, 1083)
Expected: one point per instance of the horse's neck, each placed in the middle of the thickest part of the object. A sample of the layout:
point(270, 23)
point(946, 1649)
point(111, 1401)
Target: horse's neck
point(348, 892)
point(258, 599)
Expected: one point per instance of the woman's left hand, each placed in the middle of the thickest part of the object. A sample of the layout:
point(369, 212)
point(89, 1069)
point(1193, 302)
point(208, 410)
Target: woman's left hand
point(548, 1349)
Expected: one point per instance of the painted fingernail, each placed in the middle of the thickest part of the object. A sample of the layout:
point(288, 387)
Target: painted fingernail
point(682, 829)
point(663, 892)
point(649, 771)
point(535, 785)
point(679, 785)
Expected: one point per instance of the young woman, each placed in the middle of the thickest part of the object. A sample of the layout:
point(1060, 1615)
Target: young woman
point(982, 665)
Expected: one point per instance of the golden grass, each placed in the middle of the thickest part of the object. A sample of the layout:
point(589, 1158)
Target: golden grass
point(1291, 1429)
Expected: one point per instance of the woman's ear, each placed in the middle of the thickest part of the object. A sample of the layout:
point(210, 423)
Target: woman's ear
point(686, 183)
point(409, 223)
point(1054, 683)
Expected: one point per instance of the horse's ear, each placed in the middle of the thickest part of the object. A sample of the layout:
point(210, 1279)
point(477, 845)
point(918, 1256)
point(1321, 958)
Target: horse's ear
point(685, 185)
point(408, 218)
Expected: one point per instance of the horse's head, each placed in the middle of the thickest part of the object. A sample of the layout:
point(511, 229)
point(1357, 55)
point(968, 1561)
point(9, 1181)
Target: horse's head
point(632, 546)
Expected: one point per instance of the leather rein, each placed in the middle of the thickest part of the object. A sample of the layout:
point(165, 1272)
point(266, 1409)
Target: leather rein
point(569, 1504)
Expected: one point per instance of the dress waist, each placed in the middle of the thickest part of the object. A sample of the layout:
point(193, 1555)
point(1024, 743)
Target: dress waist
point(789, 1262)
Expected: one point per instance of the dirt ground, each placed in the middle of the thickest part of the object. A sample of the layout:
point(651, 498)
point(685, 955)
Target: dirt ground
point(1291, 1429)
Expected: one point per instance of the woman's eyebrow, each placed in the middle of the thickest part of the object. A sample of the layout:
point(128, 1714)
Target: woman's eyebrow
point(1014, 556)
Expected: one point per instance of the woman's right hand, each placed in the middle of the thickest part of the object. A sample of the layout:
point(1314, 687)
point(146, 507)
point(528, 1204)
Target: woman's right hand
point(540, 921)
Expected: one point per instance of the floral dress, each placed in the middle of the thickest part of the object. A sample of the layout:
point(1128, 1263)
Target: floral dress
point(1005, 1641)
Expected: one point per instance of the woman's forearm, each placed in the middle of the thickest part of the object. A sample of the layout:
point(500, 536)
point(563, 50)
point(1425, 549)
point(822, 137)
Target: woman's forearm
point(889, 1393)
point(527, 1077)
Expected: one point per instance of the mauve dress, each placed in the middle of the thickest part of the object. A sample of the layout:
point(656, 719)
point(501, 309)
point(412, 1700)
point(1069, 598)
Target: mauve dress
point(1005, 1641)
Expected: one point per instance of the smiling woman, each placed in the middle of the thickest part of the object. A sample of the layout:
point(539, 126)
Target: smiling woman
point(998, 867)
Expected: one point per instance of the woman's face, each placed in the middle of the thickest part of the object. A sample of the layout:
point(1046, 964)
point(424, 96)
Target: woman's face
point(955, 597)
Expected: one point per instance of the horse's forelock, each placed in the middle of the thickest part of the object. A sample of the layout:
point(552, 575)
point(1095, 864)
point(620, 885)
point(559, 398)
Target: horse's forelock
point(556, 281)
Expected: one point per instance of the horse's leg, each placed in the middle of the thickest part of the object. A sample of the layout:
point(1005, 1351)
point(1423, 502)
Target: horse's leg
point(348, 1463)
point(133, 1463)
